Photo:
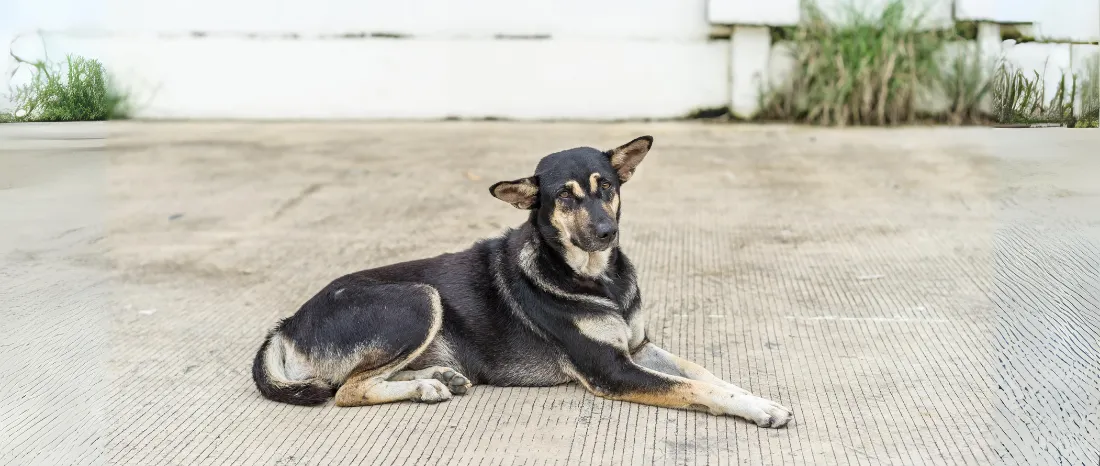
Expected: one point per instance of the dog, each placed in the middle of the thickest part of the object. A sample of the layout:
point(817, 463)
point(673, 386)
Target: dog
point(550, 302)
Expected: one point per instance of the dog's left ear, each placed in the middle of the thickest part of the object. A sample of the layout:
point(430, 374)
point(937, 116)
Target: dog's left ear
point(522, 193)
point(625, 158)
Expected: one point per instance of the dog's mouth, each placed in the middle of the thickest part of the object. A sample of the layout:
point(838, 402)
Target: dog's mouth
point(594, 244)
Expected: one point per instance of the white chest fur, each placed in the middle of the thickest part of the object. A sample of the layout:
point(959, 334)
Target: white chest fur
point(613, 329)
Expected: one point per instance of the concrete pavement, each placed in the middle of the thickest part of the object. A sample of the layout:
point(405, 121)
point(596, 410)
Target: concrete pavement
point(917, 296)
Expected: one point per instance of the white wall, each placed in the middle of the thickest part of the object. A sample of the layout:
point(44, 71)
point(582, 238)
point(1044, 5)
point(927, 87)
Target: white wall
point(546, 59)
point(430, 78)
point(608, 59)
point(649, 19)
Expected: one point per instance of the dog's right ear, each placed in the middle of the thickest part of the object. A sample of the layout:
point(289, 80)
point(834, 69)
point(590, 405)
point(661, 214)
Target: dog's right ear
point(522, 193)
point(625, 158)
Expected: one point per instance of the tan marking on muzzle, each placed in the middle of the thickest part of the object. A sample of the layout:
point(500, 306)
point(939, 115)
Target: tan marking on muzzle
point(582, 262)
point(568, 222)
point(612, 206)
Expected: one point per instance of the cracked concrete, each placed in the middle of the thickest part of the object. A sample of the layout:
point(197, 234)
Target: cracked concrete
point(917, 296)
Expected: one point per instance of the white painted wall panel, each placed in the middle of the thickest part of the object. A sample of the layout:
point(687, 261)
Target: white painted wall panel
point(240, 78)
point(769, 13)
point(1002, 11)
point(979, 10)
point(933, 13)
point(601, 59)
point(1075, 20)
point(750, 52)
point(643, 19)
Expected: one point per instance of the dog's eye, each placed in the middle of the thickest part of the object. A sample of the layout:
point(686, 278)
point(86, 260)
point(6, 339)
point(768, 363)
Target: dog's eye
point(605, 185)
point(564, 195)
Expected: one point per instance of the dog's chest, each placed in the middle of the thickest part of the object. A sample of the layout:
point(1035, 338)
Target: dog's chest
point(622, 333)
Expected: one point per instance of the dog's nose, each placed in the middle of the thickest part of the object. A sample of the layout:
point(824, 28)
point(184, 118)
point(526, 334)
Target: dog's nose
point(606, 230)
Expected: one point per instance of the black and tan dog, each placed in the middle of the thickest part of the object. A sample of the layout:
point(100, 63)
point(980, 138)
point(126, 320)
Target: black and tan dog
point(551, 302)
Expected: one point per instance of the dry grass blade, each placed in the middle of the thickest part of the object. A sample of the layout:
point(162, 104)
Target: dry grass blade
point(847, 72)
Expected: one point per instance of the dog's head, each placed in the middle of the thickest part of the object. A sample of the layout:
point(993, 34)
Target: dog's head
point(576, 193)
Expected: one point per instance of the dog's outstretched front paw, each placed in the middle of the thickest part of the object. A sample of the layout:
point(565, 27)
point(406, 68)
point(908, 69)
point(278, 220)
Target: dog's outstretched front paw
point(456, 383)
point(764, 412)
point(431, 391)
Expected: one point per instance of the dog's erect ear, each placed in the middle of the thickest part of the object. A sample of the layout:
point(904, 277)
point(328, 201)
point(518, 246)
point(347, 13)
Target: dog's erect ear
point(625, 158)
point(522, 193)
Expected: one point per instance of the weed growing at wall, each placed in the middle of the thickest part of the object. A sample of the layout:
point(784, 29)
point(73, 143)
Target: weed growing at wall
point(78, 90)
point(965, 81)
point(1090, 94)
point(1020, 98)
point(867, 71)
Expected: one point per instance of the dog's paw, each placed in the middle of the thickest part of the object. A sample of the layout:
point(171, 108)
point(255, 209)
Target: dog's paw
point(764, 412)
point(431, 391)
point(456, 383)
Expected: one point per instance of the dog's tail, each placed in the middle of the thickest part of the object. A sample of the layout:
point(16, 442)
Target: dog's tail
point(269, 373)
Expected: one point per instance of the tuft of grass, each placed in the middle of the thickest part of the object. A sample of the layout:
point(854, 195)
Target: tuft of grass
point(78, 90)
point(1019, 98)
point(965, 81)
point(869, 70)
point(1090, 94)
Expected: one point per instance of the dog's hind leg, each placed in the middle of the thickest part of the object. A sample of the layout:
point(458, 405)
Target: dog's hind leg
point(369, 385)
point(364, 389)
point(354, 334)
point(457, 383)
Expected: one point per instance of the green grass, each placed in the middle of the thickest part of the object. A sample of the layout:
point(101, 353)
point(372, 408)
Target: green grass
point(1090, 94)
point(1019, 98)
point(867, 70)
point(966, 84)
point(877, 69)
point(78, 90)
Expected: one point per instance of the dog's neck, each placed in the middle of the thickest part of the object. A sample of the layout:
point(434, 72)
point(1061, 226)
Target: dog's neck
point(585, 264)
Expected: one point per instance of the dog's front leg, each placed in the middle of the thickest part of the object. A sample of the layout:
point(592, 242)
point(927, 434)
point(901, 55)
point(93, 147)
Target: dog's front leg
point(619, 378)
point(653, 357)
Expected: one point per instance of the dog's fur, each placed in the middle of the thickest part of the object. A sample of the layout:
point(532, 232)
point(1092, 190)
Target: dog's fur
point(550, 302)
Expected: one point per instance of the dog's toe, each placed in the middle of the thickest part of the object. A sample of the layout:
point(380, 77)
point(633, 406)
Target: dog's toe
point(764, 412)
point(778, 416)
point(457, 383)
point(431, 391)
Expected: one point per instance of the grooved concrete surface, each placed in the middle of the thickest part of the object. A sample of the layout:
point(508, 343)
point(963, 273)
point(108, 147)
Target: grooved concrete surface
point(917, 296)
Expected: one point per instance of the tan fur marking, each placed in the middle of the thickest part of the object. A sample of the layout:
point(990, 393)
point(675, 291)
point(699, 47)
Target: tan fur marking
point(700, 396)
point(591, 264)
point(682, 396)
point(612, 206)
point(520, 193)
point(609, 329)
point(594, 183)
point(637, 330)
point(377, 390)
point(575, 187)
point(527, 258)
point(626, 157)
point(652, 357)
